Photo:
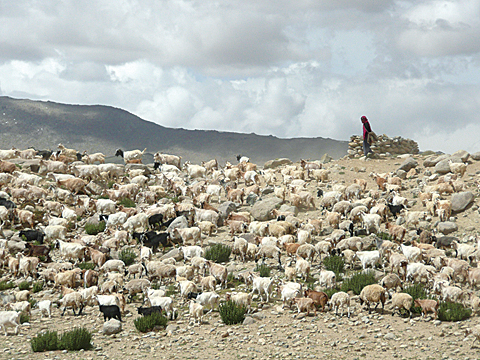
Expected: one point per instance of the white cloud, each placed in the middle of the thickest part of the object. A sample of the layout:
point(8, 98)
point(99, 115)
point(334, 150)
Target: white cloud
point(288, 68)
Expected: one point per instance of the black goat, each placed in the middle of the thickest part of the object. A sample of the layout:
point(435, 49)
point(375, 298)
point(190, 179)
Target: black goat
point(7, 203)
point(45, 154)
point(145, 311)
point(319, 192)
point(156, 165)
point(110, 312)
point(153, 240)
point(155, 220)
point(281, 218)
point(395, 209)
point(167, 223)
point(137, 236)
point(103, 217)
point(32, 235)
point(192, 295)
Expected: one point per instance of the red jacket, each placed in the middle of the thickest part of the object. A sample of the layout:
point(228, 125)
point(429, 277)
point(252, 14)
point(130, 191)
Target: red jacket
point(366, 128)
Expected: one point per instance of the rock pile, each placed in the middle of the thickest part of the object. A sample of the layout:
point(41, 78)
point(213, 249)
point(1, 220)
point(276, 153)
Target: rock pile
point(385, 145)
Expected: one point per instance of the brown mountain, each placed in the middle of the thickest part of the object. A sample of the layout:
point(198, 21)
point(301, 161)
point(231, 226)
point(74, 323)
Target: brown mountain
point(97, 128)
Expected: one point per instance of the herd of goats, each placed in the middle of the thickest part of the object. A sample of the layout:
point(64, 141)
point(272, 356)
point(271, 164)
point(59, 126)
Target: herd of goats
point(292, 216)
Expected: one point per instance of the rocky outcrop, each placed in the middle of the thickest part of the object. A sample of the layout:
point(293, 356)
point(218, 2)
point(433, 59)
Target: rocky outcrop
point(385, 145)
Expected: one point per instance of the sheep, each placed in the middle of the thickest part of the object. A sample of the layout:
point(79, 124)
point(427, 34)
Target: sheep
point(391, 281)
point(45, 306)
point(259, 228)
point(402, 301)
point(412, 253)
point(75, 185)
point(302, 267)
point(186, 287)
point(397, 232)
point(9, 318)
point(319, 298)
point(190, 252)
point(340, 299)
point(373, 293)
point(305, 304)
point(136, 286)
point(369, 258)
point(240, 247)
point(219, 272)
point(208, 283)
point(168, 159)
point(427, 305)
point(192, 233)
point(196, 311)
point(262, 285)
point(130, 155)
point(371, 221)
point(327, 278)
point(269, 251)
point(136, 223)
point(457, 168)
point(208, 299)
point(20, 306)
point(74, 300)
point(113, 265)
point(306, 251)
point(72, 251)
point(288, 293)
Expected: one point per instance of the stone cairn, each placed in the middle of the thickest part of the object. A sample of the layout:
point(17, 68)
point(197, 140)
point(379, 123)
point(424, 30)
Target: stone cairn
point(385, 146)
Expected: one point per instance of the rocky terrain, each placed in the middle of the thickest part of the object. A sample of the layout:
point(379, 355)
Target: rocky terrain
point(272, 332)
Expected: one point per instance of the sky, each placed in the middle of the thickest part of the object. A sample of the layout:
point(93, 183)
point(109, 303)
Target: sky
point(299, 68)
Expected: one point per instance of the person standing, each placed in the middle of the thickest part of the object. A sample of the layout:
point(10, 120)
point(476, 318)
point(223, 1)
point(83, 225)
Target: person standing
point(366, 130)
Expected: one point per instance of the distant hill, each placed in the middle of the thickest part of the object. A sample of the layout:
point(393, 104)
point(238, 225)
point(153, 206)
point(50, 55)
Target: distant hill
point(97, 128)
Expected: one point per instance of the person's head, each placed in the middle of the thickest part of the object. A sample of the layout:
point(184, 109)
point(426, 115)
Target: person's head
point(363, 119)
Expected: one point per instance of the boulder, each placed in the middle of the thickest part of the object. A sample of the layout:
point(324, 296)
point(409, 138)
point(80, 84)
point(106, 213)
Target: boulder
point(15, 245)
point(461, 200)
point(462, 154)
point(262, 209)
point(401, 174)
point(475, 156)
point(291, 208)
point(408, 164)
point(447, 227)
point(272, 164)
point(225, 209)
point(112, 326)
point(442, 167)
point(248, 320)
point(326, 158)
point(433, 160)
point(174, 253)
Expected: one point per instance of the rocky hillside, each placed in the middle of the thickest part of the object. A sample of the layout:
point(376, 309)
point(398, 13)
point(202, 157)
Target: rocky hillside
point(103, 129)
point(272, 330)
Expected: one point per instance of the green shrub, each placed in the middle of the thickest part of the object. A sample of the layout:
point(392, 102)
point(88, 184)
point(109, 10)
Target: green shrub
point(128, 203)
point(384, 236)
point(86, 266)
point(335, 264)
point(448, 311)
point(45, 341)
point(24, 285)
point(416, 291)
point(127, 256)
point(37, 287)
point(170, 290)
point(4, 285)
point(94, 229)
point(76, 339)
point(32, 302)
point(218, 253)
point(330, 292)
point(148, 323)
point(231, 313)
point(263, 270)
point(110, 184)
point(24, 318)
point(358, 281)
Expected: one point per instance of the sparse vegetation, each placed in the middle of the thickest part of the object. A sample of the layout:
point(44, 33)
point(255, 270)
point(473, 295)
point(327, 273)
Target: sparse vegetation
point(449, 311)
point(128, 203)
point(335, 264)
point(37, 287)
point(24, 285)
point(231, 313)
point(94, 229)
point(151, 322)
point(218, 253)
point(5, 285)
point(358, 281)
point(263, 270)
point(127, 256)
point(86, 266)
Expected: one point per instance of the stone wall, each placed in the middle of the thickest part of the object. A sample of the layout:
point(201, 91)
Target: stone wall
point(385, 145)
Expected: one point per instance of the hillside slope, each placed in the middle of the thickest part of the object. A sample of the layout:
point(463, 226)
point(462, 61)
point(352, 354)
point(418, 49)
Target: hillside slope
point(44, 124)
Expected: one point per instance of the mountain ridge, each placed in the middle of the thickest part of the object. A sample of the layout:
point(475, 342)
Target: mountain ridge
point(100, 128)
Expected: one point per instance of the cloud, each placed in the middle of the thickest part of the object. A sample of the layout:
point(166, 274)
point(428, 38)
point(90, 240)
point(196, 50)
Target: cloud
point(289, 69)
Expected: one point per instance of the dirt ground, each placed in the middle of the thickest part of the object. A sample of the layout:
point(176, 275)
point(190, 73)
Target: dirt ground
point(274, 332)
